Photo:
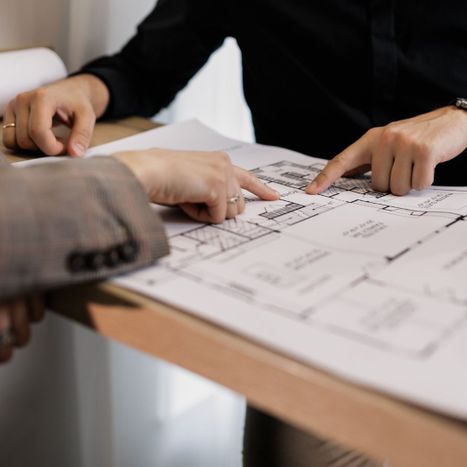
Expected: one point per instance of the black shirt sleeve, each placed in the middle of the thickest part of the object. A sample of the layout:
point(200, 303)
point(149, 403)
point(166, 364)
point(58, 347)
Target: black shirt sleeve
point(170, 46)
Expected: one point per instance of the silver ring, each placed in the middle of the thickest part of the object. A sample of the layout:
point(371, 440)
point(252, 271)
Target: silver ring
point(6, 339)
point(9, 125)
point(234, 199)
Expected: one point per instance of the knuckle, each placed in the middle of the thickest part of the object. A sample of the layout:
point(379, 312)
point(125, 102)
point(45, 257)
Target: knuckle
point(372, 132)
point(390, 135)
point(422, 151)
point(212, 196)
point(40, 95)
point(221, 160)
point(22, 99)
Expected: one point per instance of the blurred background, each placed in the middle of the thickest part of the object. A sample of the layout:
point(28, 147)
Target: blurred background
point(72, 398)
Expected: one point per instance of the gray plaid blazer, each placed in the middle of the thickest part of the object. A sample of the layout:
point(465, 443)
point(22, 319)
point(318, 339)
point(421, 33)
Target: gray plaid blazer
point(73, 221)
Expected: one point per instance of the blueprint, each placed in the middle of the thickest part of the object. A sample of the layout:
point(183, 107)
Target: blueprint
point(368, 286)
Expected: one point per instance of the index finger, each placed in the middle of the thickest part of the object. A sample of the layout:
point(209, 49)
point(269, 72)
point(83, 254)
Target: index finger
point(40, 128)
point(356, 155)
point(254, 185)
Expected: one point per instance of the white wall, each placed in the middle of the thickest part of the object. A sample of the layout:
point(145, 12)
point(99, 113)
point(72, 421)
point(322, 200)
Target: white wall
point(25, 23)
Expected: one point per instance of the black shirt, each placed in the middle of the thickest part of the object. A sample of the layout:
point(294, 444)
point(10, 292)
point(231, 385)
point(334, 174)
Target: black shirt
point(316, 74)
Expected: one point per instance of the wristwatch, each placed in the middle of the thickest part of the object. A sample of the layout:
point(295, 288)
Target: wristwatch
point(461, 103)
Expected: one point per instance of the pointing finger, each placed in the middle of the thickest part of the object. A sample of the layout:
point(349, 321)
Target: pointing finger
point(354, 156)
point(254, 185)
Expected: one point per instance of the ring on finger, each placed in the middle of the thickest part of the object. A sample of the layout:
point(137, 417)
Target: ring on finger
point(6, 338)
point(9, 125)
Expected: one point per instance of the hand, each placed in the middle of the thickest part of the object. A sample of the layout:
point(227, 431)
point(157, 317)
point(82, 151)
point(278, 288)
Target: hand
point(76, 102)
point(15, 317)
point(402, 155)
point(203, 184)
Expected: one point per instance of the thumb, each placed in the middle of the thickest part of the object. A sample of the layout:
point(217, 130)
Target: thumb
point(81, 133)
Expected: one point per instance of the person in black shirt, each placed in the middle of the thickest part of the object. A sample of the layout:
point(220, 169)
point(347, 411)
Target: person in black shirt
point(317, 76)
point(367, 84)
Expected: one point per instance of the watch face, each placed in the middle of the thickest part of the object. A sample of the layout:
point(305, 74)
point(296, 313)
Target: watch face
point(461, 103)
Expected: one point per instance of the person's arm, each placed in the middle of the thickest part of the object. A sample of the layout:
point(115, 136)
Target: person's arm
point(402, 155)
point(80, 220)
point(73, 221)
point(171, 45)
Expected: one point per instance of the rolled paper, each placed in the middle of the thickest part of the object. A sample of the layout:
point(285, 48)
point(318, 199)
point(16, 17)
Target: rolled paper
point(24, 70)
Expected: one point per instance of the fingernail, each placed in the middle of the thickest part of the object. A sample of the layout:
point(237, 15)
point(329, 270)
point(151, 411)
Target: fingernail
point(79, 149)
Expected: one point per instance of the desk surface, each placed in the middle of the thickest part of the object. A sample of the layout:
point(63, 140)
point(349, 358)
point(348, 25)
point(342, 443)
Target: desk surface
point(381, 426)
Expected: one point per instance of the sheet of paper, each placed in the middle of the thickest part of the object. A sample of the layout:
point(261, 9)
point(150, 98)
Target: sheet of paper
point(24, 70)
point(369, 286)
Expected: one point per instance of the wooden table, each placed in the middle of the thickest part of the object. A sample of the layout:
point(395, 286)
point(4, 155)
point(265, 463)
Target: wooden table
point(381, 426)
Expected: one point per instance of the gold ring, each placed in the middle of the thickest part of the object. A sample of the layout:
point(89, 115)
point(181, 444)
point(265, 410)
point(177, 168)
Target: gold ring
point(234, 199)
point(9, 125)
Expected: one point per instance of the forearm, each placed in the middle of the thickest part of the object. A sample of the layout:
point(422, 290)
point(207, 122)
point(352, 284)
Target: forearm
point(70, 222)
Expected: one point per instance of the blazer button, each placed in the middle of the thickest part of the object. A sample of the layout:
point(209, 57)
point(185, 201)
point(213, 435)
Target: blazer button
point(128, 252)
point(95, 261)
point(112, 258)
point(76, 263)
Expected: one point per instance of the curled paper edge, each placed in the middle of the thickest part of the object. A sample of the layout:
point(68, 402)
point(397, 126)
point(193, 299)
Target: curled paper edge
point(24, 70)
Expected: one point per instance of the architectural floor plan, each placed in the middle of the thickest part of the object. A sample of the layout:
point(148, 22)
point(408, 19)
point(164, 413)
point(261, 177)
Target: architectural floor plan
point(367, 285)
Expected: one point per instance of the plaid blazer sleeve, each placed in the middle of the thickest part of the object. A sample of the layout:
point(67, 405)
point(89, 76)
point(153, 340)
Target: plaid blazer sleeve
point(73, 221)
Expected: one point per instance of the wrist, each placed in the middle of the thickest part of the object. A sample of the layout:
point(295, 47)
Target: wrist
point(146, 168)
point(459, 108)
